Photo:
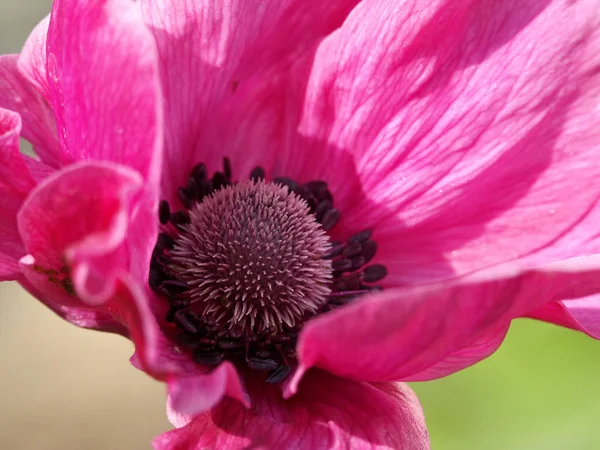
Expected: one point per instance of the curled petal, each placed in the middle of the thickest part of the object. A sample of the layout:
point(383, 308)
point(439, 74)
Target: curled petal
point(397, 334)
point(74, 225)
point(69, 308)
point(582, 314)
point(200, 393)
point(104, 84)
point(15, 183)
point(327, 413)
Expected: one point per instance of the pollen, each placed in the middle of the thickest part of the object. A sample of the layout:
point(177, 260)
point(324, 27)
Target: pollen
point(252, 257)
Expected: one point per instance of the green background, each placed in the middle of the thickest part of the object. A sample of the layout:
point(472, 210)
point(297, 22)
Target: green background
point(540, 390)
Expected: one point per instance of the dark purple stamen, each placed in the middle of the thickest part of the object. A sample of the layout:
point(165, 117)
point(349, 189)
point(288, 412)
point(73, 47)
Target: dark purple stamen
point(352, 250)
point(369, 249)
point(164, 212)
point(330, 219)
point(219, 180)
point(374, 273)
point(227, 169)
point(230, 344)
point(204, 333)
point(289, 183)
point(322, 209)
point(279, 374)
point(265, 364)
point(341, 265)
point(199, 173)
point(185, 322)
point(208, 358)
point(360, 237)
point(180, 218)
point(257, 174)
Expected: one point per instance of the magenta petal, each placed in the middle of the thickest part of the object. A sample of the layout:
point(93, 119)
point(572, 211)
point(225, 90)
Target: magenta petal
point(398, 333)
point(15, 184)
point(94, 199)
point(463, 130)
point(581, 314)
point(199, 393)
point(243, 70)
point(483, 347)
point(105, 90)
point(39, 126)
point(70, 308)
point(327, 413)
point(32, 59)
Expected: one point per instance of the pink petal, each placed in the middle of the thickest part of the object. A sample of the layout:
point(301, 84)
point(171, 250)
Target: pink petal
point(474, 352)
point(15, 183)
point(73, 310)
point(327, 413)
point(581, 314)
point(104, 86)
point(39, 126)
point(192, 395)
point(32, 59)
point(400, 333)
point(473, 127)
point(243, 70)
point(75, 226)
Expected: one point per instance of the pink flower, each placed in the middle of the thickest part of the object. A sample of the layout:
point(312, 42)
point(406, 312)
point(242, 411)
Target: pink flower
point(457, 141)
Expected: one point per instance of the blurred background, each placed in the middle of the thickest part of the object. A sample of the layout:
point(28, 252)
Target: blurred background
point(66, 388)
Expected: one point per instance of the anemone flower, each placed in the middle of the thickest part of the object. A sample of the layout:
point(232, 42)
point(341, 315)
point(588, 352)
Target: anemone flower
point(290, 206)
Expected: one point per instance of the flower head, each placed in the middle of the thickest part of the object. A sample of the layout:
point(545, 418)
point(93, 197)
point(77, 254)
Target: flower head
point(370, 189)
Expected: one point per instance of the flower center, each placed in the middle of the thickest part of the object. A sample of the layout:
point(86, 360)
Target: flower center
point(252, 258)
point(245, 264)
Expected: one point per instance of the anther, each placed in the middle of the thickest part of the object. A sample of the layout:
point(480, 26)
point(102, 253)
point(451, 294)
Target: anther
point(352, 250)
point(284, 181)
point(374, 273)
point(279, 374)
point(180, 218)
point(330, 219)
point(193, 188)
point(164, 241)
point(164, 212)
point(227, 169)
point(208, 358)
point(184, 197)
point(360, 237)
point(341, 265)
point(262, 364)
point(316, 187)
point(199, 173)
point(219, 180)
point(336, 250)
point(257, 174)
point(182, 320)
point(369, 249)
point(357, 262)
point(230, 344)
point(322, 209)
